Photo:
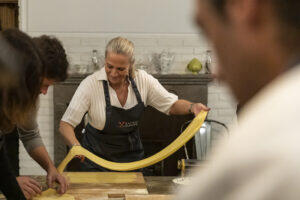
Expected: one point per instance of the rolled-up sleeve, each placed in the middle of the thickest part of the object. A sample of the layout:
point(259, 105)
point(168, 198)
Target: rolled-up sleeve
point(79, 104)
point(158, 97)
point(31, 139)
point(29, 132)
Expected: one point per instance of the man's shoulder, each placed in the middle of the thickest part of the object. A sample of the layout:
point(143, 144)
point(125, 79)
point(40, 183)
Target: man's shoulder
point(273, 114)
point(281, 95)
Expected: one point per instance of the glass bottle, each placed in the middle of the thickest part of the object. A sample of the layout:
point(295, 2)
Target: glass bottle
point(208, 62)
point(95, 60)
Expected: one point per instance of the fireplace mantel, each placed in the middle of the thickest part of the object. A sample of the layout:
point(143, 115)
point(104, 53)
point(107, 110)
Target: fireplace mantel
point(170, 79)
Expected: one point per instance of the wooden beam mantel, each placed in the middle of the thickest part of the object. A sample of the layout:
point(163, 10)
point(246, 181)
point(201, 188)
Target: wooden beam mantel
point(170, 79)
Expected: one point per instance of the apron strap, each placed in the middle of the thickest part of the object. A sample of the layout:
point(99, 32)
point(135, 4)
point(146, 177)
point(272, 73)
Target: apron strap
point(137, 93)
point(106, 93)
point(108, 108)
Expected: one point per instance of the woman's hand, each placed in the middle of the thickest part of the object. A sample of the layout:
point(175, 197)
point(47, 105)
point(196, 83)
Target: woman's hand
point(197, 107)
point(184, 107)
point(80, 157)
point(29, 186)
point(54, 176)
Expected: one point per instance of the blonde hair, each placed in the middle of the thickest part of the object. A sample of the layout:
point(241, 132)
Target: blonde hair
point(120, 45)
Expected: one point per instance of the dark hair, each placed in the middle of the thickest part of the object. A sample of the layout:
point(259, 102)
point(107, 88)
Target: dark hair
point(53, 56)
point(287, 13)
point(219, 5)
point(17, 102)
point(9, 65)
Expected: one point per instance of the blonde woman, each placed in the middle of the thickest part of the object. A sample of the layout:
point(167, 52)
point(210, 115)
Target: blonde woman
point(115, 98)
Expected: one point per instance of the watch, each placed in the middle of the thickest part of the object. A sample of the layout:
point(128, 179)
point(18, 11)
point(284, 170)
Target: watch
point(75, 144)
point(190, 109)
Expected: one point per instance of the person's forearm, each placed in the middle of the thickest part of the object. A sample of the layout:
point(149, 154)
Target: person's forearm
point(180, 107)
point(67, 131)
point(41, 156)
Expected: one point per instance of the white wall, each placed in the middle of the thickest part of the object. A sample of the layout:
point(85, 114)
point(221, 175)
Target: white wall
point(160, 31)
point(111, 16)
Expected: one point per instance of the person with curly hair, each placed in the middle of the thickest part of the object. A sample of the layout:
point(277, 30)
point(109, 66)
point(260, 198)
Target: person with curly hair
point(55, 66)
point(19, 105)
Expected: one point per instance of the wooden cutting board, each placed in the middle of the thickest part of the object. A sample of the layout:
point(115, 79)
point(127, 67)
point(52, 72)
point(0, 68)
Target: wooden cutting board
point(99, 183)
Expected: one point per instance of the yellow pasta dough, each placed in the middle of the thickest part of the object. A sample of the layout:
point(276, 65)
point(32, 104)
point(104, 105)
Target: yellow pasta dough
point(51, 194)
point(188, 133)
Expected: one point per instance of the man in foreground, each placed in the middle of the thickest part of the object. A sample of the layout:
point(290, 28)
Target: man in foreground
point(258, 48)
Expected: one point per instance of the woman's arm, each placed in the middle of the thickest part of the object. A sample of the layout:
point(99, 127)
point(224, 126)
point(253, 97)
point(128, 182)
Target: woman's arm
point(166, 102)
point(78, 106)
point(67, 131)
point(183, 107)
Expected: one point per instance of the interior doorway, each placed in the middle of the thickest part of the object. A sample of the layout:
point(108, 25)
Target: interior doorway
point(9, 14)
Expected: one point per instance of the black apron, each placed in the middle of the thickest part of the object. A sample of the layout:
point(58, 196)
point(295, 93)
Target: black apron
point(119, 141)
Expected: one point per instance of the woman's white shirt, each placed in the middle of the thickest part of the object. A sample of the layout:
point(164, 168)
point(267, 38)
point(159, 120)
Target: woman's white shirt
point(89, 97)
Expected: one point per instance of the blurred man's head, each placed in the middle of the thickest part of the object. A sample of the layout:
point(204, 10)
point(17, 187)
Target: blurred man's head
point(54, 60)
point(253, 39)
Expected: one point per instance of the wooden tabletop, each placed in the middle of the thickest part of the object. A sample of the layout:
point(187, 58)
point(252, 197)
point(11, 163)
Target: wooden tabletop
point(160, 184)
point(155, 184)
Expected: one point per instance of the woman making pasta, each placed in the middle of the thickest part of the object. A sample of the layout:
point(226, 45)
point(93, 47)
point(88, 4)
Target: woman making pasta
point(114, 99)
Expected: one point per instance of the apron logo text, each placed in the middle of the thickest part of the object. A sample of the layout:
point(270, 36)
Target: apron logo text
point(128, 124)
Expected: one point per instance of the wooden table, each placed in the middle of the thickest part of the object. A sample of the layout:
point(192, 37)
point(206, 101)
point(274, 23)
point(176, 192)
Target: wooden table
point(155, 184)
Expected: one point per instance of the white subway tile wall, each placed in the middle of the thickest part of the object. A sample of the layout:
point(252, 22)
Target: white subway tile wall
point(79, 48)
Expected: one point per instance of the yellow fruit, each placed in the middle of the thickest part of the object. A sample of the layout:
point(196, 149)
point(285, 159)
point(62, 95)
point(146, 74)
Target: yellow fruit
point(194, 65)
